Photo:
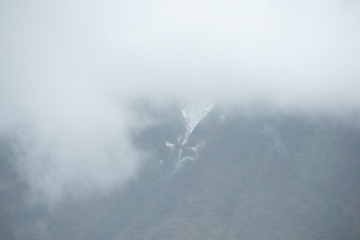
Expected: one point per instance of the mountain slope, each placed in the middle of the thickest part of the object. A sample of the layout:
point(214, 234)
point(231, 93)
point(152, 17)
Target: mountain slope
point(238, 175)
point(260, 177)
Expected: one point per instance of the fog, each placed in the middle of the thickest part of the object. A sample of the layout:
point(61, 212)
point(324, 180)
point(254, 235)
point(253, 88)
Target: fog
point(69, 70)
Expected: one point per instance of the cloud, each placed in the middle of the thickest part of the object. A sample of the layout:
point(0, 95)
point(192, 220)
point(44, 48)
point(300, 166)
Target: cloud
point(73, 146)
point(305, 53)
point(68, 70)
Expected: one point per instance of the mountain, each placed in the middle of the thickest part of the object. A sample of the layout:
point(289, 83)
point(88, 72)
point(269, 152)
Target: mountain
point(213, 172)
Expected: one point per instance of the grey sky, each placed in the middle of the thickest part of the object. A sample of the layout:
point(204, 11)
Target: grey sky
point(68, 69)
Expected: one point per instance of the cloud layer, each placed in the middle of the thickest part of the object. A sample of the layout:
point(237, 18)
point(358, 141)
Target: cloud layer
point(68, 70)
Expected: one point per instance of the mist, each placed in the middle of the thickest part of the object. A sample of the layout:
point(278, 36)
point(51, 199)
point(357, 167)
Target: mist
point(69, 71)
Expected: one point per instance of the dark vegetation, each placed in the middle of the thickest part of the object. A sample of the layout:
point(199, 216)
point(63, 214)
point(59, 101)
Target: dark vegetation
point(257, 176)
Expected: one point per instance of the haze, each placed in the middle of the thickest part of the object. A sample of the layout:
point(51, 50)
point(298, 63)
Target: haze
point(70, 69)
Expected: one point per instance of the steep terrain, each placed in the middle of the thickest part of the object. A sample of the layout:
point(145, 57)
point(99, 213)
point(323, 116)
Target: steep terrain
point(214, 173)
point(260, 177)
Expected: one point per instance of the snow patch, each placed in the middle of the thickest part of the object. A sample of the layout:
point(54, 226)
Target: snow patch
point(196, 147)
point(169, 145)
point(182, 161)
point(193, 115)
point(180, 153)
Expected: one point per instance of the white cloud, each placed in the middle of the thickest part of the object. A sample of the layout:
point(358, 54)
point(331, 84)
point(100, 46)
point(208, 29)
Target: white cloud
point(68, 69)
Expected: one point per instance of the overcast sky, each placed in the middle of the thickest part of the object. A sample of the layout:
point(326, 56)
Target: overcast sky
point(68, 68)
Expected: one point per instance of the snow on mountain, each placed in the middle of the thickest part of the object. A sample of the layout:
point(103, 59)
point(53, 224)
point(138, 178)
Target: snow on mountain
point(181, 162)
point(196, 147)
point(169, 145)
point(193, 115)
